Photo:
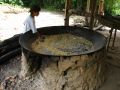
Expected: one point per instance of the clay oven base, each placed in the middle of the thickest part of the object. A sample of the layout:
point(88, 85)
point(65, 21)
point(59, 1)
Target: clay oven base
point(83, 72)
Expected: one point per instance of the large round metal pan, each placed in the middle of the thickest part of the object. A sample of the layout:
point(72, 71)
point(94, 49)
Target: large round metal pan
point(96, 38)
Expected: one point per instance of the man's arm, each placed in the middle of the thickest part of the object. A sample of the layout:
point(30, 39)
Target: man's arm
point(32, 26)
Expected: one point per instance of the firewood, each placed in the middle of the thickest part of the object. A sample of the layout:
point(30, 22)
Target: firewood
point(9, 47)
point(10, 55)
point(10, 40)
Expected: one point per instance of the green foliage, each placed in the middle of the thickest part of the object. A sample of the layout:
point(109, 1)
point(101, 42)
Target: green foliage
point(112, 7)
point(47, 4)
point(26, 2)
point(60, 4)
point(13, 2)
point(54, 4)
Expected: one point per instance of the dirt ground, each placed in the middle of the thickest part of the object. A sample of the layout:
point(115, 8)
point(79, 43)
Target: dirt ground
point(9, 71)
point(113, 63)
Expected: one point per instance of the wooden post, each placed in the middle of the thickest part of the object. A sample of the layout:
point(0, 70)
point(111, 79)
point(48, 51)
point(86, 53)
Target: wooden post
point(114, 38)
point(87, 19)
point(88, 6)
point(101, 7)
point(93, 7)
point(67, 7)
point(111, 31)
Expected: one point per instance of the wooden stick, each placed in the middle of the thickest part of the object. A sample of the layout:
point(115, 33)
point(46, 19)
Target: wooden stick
point(110, 38)
point(114, 38)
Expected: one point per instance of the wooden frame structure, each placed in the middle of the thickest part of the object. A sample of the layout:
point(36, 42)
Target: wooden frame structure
point(91, 9)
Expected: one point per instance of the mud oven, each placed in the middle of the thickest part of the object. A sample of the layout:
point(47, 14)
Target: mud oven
point(65, 62)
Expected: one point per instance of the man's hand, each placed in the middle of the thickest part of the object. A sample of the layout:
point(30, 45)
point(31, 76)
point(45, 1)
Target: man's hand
point(41, 37)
